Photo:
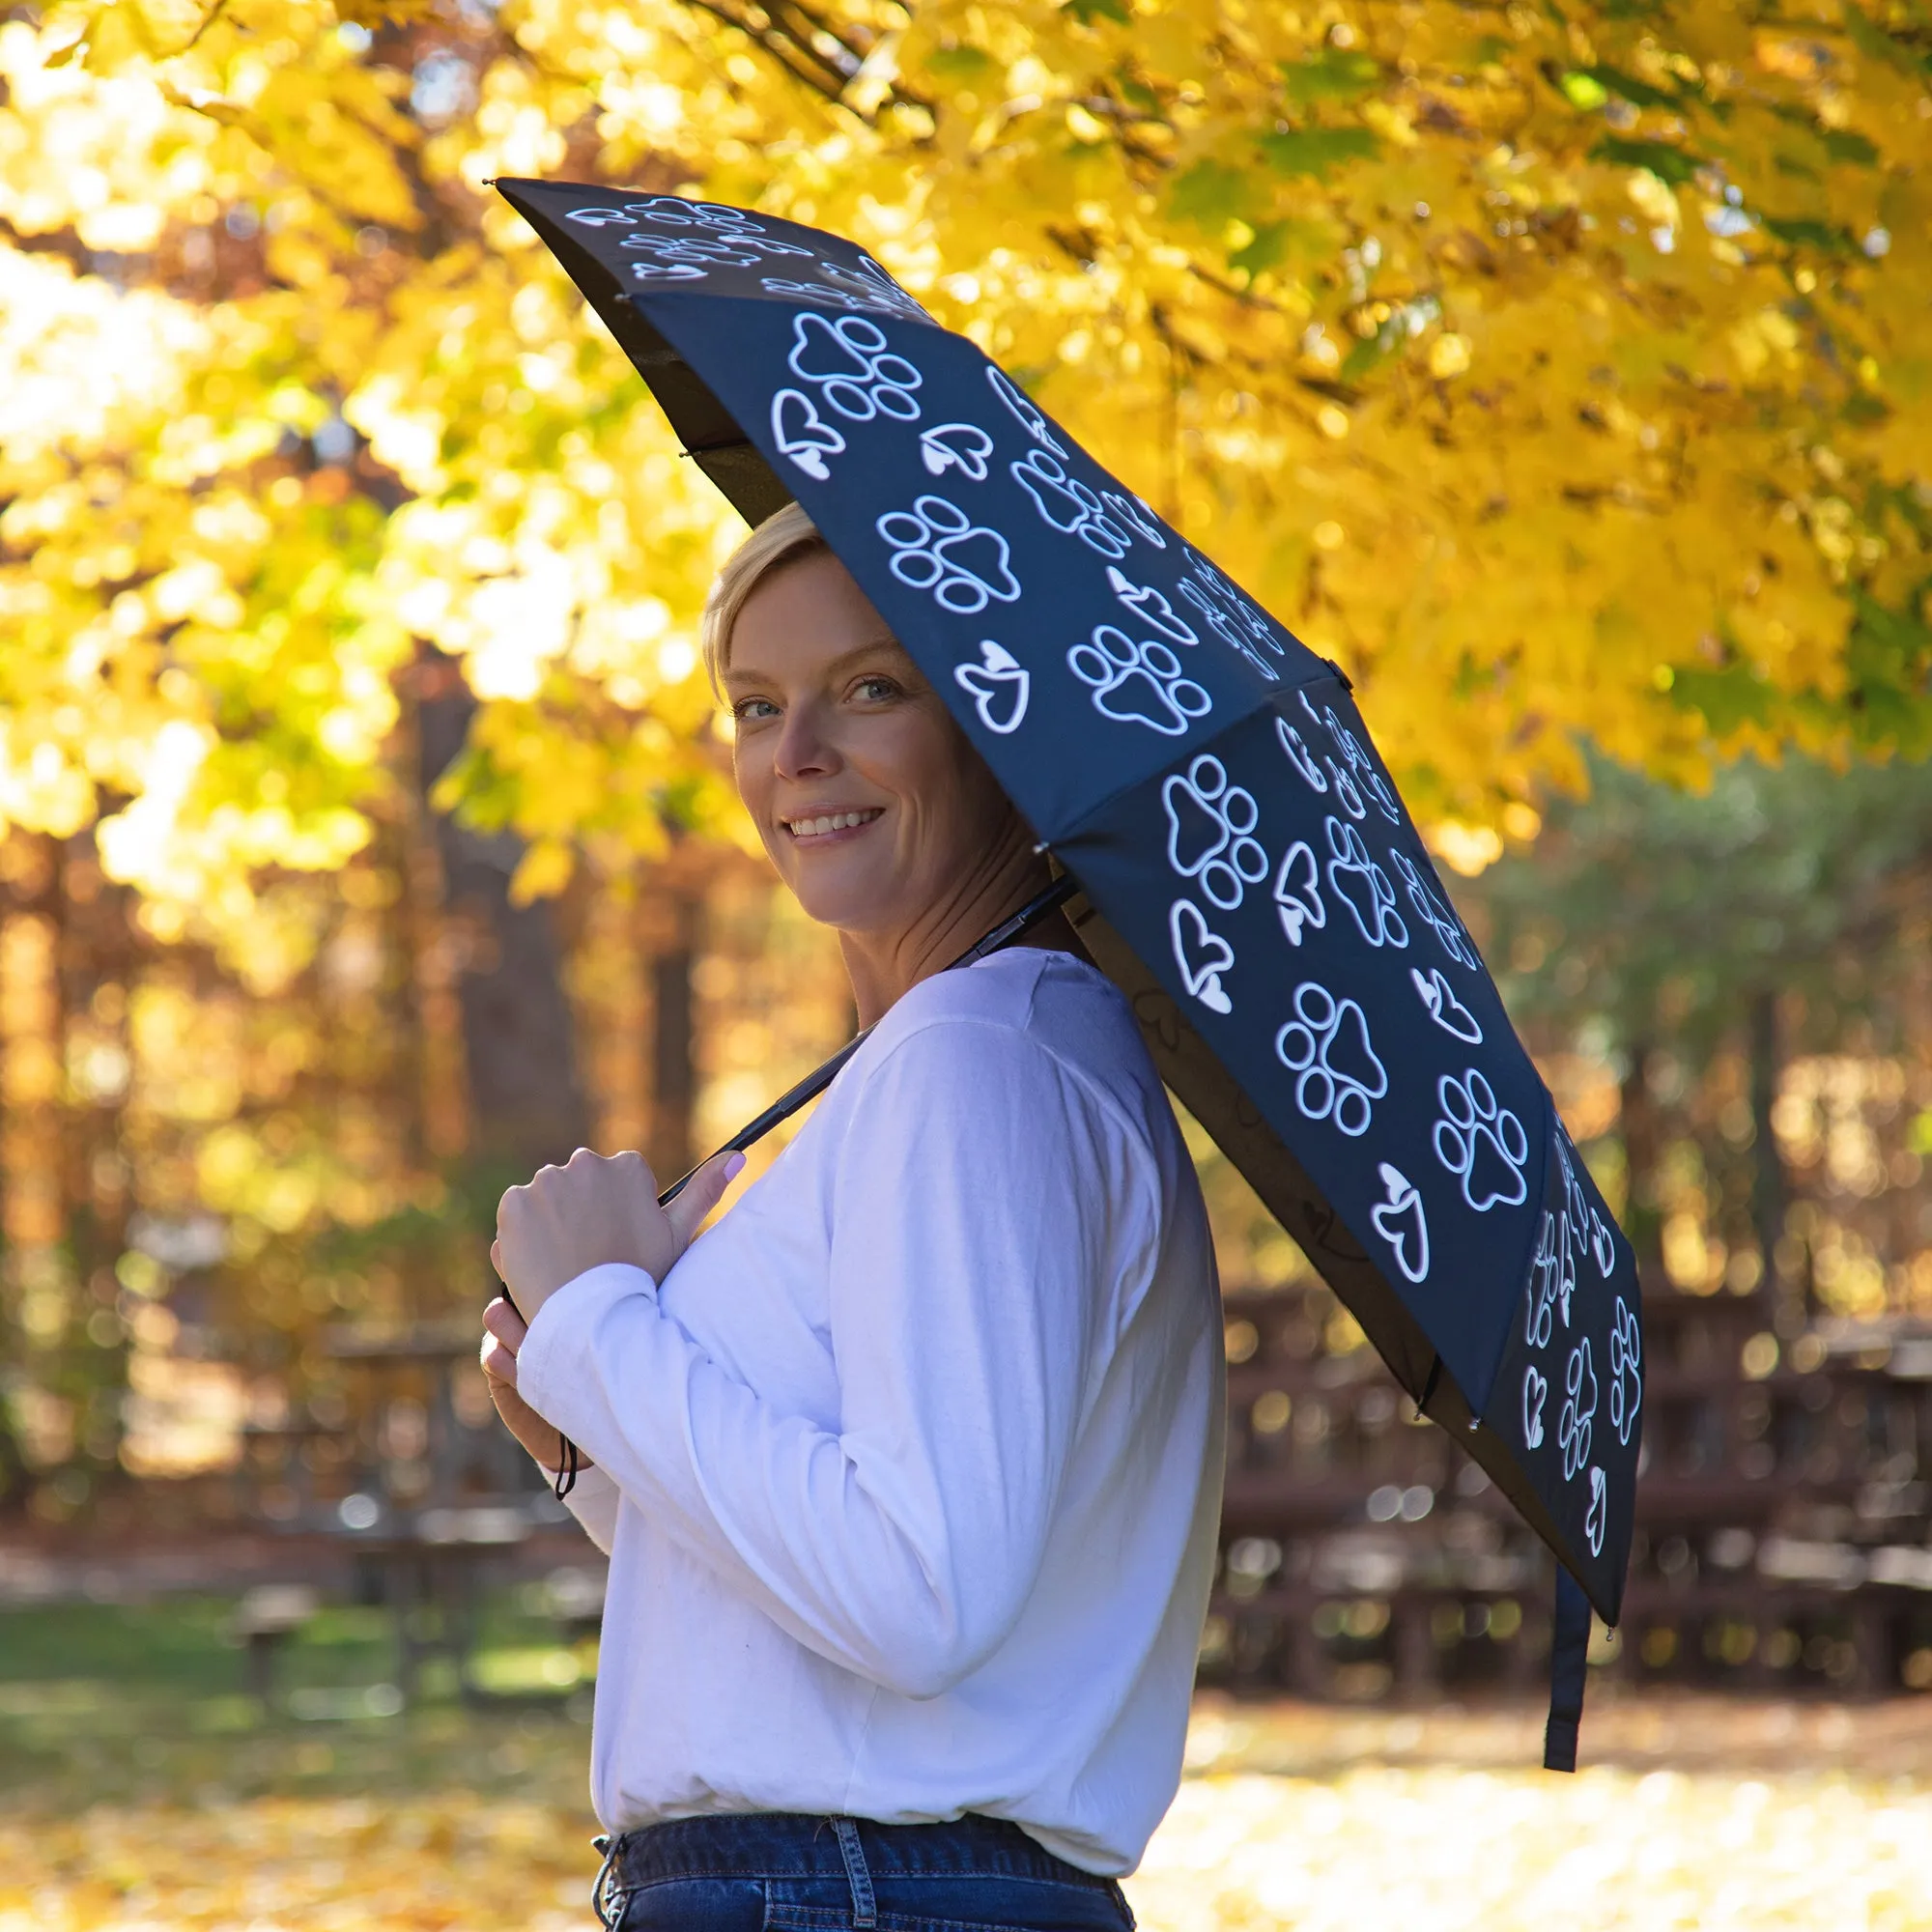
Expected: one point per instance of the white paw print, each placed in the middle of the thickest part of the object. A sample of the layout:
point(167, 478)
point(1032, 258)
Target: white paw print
point(1566, 1267)
point(1136, 514)
point(1579, 1405)
point(1023, 409)
point(1211, 825)
point(1233, 617)
point(1138, 683)
point(1576, 1203)
point(1068, 504)
point(702, 252)
point(1481, 1143)
point(654, 270)
point(848, 361)
point(1327, 1044)
point(1544, 1276)
point(1347, 796)
point(1300, 755)
point(1363, 887)
point(937, 546)
point(1356, 773)
point(673, 212)
point(866, 287)
point(1363, 768)
point(1431, 910)
point(1626, 1370)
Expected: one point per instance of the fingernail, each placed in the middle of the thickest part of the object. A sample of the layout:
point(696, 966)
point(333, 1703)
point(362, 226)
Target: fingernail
point(734, 1165)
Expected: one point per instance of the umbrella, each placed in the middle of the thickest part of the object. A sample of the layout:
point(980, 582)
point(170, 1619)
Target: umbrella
point(1250, 876)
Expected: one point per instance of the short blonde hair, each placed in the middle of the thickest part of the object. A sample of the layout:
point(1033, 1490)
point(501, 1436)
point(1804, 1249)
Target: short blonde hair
point(783, 537)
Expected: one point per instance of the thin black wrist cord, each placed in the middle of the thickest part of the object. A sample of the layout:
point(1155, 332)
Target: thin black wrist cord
point(809, 1087)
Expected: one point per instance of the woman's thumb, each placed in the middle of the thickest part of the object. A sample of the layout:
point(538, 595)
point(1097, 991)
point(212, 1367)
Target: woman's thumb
point(701, 1193)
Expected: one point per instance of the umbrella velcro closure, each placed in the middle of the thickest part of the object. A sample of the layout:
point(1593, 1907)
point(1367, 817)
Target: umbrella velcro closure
point(1568, 1665)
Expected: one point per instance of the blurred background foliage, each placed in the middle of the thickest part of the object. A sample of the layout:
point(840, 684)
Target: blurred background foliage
point(1562, 373)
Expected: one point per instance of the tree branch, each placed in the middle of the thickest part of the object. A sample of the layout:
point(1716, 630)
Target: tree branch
point(797, 59)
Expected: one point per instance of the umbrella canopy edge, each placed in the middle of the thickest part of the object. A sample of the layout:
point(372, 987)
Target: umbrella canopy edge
point(1196, 1076)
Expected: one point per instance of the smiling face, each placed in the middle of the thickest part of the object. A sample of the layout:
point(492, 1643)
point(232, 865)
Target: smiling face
point(876, 811)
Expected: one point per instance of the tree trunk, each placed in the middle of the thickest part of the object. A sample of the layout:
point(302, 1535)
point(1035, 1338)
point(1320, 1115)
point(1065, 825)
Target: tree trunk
point(674, 927)
point(1642, 1140)
point(37, 1298)
point(1769, 1188)
point(527, 1103)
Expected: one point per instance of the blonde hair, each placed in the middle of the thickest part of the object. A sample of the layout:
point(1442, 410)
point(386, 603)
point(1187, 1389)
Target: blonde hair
point(783, 537)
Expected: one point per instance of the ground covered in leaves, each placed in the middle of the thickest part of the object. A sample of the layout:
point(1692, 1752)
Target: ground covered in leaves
point(142, 1790)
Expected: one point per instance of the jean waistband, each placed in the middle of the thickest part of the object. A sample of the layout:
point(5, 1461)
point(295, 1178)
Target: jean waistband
point(804, 1844)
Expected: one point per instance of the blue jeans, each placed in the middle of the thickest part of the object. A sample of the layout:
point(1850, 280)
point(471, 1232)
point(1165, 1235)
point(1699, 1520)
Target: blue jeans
point(791, 1871)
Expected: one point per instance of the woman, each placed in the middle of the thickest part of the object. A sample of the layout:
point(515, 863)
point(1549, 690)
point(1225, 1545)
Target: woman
point(909, 1468)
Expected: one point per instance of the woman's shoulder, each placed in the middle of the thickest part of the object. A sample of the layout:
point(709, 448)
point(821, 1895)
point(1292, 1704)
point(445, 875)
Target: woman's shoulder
point(1058, 1006)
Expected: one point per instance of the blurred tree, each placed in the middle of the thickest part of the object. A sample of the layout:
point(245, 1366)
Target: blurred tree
point(1557, 373)
point(525, 1097)
point(1779, 913)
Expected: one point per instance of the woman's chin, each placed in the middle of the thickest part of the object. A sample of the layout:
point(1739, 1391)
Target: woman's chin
point(843, 894)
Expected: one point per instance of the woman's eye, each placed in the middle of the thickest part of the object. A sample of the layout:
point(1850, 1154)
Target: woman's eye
point(751, 710)
point(876, 689)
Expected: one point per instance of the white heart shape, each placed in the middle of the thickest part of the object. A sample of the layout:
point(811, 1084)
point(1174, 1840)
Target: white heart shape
point(956, 445)
point(802, 434)
point(1000, 686)
point(1535, 1392)
point(1444, 1007)
point(1202, 954)
point(1400, 1222)
point(1151, 607)
point(1297, 896)
point(1604, 1248)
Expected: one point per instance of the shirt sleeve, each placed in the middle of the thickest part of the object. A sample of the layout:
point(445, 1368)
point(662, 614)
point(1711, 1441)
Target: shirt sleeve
point(983, 1202)
point(593, 1499)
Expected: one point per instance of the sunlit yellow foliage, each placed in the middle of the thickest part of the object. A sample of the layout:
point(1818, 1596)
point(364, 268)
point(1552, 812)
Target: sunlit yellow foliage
point(1560, 374)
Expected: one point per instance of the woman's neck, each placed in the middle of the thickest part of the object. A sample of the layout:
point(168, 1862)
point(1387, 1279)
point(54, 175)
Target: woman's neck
point(883, 965)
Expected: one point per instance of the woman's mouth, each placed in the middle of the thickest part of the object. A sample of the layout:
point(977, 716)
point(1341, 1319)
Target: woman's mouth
point(823, 826)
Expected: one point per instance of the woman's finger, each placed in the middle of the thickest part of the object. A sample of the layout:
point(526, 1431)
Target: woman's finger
point(503, 1321)
point(500, 1363)
point(702, 1192)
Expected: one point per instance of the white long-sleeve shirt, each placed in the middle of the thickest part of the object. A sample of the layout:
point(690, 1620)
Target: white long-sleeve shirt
point(910, 1470)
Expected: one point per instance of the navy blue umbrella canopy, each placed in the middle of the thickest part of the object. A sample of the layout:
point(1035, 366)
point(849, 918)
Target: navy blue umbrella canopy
point(1249, 873)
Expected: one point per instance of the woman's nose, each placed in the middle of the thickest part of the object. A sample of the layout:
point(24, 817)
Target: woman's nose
point(805, 749)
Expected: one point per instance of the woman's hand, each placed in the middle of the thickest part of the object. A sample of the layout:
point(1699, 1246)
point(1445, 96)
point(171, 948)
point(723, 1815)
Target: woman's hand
point(594, 1209)
point(503, 1335)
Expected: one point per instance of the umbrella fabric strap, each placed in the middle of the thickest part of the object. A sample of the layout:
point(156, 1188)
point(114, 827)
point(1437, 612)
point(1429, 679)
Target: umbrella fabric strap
point(1568, 1665)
